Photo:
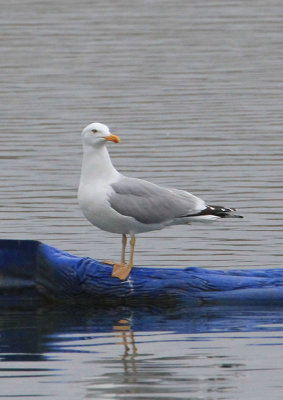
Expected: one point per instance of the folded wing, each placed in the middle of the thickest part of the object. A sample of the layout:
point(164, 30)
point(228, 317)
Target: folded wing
point(152, 204)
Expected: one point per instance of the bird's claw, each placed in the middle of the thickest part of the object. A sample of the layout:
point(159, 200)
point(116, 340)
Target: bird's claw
point(108, 262)
point(121, 271)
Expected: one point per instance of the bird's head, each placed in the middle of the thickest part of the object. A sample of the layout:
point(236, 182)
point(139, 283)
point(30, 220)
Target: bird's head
point(97, 134)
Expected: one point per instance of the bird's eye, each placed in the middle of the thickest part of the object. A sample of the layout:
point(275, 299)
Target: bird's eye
point(94, 130)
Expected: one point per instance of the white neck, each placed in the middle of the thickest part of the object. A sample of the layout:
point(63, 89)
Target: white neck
point(97, 165)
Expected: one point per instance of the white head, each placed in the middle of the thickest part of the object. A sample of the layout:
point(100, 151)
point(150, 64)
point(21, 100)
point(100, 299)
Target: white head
point(97, 134)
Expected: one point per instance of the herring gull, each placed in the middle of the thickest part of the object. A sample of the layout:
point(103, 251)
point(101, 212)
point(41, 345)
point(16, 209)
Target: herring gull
point(128, 206)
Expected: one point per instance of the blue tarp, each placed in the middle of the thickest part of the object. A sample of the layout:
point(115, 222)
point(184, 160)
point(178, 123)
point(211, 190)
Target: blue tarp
point(42, 271)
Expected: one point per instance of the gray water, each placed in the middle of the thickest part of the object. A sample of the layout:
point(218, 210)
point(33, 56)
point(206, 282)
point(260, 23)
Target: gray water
point(194, 90)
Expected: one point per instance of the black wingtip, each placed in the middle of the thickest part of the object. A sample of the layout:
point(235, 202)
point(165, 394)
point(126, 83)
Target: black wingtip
point(235, 216)
point(223, 212)
point(218, 211)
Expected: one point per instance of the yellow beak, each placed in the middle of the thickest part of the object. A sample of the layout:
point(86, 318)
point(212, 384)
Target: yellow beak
point(112, 138)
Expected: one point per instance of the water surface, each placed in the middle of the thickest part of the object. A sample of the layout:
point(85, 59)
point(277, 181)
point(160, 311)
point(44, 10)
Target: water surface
point(195, 93)
point(194, 90)
point(123, 353)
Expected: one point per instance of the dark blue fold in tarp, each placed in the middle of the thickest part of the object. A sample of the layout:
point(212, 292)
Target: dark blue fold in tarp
point(32, 267)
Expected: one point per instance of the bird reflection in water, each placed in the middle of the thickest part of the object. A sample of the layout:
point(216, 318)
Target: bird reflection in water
point(125, 332)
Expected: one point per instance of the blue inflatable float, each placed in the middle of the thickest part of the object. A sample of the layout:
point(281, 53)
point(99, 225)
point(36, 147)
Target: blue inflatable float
point(34, 268)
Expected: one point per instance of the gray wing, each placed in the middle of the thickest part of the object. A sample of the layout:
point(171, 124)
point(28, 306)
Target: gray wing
point(152, 204)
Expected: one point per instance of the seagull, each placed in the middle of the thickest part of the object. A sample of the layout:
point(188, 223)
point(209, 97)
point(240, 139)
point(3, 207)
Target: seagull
point(128, 206)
